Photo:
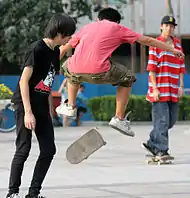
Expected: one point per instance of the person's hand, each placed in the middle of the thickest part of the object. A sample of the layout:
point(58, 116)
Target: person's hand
point(180, 92)
point(156, 94)
point(179, 53)
point(29, 121)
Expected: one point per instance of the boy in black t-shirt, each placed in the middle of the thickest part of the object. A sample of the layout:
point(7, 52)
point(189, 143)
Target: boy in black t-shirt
point(32, 107)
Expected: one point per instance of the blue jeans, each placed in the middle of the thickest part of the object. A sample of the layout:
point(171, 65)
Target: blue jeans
point(164, 116)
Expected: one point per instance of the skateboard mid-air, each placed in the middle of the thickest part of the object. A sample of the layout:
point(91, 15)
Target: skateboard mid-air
point(82, 148)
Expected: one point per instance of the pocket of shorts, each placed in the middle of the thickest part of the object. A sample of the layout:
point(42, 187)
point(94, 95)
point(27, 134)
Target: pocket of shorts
point(98, 76)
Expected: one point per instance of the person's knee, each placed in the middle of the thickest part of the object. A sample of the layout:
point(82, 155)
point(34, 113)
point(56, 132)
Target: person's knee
point(128, 81)
point(23, 154)
point(48, 152)
point(163, 125)
point(72, 81)
point(161, 122)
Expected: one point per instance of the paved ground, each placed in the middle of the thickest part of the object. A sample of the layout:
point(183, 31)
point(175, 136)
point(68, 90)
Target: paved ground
point(116, 171)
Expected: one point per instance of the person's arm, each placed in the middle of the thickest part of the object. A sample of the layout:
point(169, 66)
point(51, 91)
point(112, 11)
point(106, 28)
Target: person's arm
point(72, 43)
point(24, 88)
point(181, 80)
point(149, 41)
point(50, 99)
point(152, 67)
point(153, 79)
point(181, 77)
point(130, 36)
point(30, 121)
point(64, 48)
point(64, 83)
point(61, 88)
point(181, 85)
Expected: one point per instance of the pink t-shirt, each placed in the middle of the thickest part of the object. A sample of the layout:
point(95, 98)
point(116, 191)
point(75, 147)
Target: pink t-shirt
point(94, 45)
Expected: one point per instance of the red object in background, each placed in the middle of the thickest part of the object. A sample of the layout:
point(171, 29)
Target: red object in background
point(56, 100)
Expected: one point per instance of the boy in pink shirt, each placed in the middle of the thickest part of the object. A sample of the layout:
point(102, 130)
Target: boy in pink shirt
point(94, 45)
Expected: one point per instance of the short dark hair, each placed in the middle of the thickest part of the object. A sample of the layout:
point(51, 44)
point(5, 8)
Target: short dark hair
point(60, 24)
point(110, 14)
point(82, 86)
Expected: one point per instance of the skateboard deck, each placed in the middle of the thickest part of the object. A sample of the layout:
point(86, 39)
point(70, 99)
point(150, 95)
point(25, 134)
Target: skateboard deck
point(159, 161)
point(82, 148)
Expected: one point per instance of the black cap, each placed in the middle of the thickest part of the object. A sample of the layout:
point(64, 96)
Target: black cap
point(169, 20)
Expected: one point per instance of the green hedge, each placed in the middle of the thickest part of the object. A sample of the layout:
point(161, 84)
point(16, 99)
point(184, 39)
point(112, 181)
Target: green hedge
point(103, 108)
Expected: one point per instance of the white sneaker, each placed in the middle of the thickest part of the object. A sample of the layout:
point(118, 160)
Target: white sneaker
point(67, 110)
point(14, 195)
point(58, 109)
point(122, 126)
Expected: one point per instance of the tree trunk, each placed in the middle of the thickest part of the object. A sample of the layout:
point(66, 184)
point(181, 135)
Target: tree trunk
point(169, 8)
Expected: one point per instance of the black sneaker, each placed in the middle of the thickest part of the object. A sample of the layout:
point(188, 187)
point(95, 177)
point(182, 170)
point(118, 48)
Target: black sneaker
point(148, 148)
point(13, 195)
point(34, 196)
point(169, 156)
point(162, 156)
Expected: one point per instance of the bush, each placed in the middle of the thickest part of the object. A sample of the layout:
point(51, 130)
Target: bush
point(5, 92)
point(103, 108)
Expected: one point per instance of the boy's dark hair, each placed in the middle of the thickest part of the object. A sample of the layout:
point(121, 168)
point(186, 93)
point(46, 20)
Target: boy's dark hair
point(82, 86)
point(109, 14)
point(60, 24)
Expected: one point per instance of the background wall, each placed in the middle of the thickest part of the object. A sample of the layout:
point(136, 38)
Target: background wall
point(139, 87)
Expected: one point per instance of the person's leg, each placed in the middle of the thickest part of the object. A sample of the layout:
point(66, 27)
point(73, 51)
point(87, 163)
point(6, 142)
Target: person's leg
point(158, 140)
point(23, 145)
point(69, 108)
point(117, 75)
point(45, 135)
point(72, 93)
point(173, 110)
point(124, 78)
point(173, 114)
point(80, 112)
point(119, 121)
point(65, 121)
point(122, 98)
point(78, 117)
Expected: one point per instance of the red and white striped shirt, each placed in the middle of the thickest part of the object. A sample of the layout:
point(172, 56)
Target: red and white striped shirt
point(167, 68)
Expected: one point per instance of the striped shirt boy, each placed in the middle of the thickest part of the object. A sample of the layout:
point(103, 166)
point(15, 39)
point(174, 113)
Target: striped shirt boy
point(167, 68)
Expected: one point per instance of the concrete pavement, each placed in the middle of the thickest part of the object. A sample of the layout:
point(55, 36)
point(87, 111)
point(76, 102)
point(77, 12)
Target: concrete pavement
point(116, 170)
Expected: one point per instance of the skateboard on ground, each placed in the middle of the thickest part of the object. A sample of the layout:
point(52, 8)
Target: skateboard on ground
point(159, 160)
point(82, 148)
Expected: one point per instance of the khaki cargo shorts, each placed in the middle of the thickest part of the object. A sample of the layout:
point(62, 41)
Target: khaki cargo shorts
point(117, 75)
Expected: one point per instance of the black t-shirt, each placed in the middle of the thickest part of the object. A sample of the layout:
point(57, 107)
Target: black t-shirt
point(46, 64)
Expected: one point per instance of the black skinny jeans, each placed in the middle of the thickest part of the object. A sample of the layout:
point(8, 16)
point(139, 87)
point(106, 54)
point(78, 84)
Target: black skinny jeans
point(45, 135)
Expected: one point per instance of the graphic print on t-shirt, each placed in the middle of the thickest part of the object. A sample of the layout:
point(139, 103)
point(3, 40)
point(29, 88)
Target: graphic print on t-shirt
point(45, 86)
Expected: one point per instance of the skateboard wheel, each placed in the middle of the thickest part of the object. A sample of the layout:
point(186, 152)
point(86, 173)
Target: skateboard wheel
point(105, 143)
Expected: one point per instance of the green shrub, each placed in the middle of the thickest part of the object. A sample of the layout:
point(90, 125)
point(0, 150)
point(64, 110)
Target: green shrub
point(5, 92)
point(103, 108)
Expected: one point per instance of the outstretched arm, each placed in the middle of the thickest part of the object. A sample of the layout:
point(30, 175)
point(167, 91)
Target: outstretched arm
point(149, 41)
point(129, 36)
